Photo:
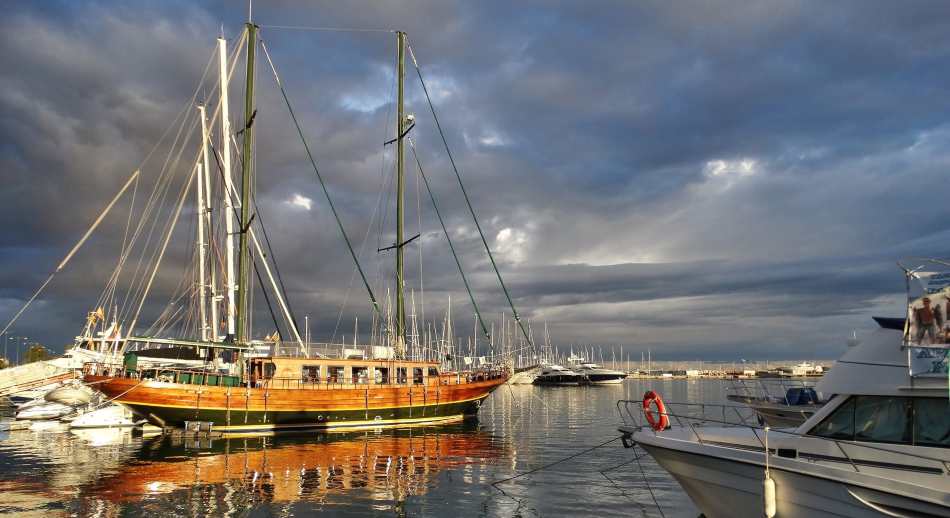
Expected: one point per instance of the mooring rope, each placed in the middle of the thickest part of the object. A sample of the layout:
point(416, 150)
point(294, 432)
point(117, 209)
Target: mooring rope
point(555, 463)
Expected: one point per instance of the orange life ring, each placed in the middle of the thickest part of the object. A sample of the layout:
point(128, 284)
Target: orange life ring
point(652, 398)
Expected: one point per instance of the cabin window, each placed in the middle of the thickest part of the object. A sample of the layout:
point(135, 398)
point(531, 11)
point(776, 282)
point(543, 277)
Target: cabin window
point(269, 370)
point(401, 376)
point(360, 374)
point(417, 375)
point(931, 422)
point(335, 374)
point(311, 374)
point(838, 425)
point(890, 419)
point(882, 419)
point(433, 372)
point(382, 375)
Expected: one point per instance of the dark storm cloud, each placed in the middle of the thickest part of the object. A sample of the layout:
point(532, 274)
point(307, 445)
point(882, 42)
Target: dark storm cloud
point(699, 178)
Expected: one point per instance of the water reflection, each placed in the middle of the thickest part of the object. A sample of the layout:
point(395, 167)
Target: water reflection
point(442, 471)
point(384, 466)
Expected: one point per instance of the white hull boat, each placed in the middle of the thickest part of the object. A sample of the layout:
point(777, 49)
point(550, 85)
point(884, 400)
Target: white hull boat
point(596, 375)
point(43, 410)
point(70, 394)
point(112, 416)
point(558, 376)
point(879, 447)
point(726, 482)
point(25, 396)
point(525, 377)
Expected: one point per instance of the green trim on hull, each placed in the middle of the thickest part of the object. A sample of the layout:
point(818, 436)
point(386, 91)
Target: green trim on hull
point(238, 419)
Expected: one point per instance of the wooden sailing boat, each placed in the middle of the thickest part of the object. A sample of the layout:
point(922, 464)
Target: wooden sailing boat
point(272, 392)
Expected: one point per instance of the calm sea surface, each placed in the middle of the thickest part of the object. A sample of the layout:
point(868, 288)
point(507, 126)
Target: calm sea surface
point(426, 471)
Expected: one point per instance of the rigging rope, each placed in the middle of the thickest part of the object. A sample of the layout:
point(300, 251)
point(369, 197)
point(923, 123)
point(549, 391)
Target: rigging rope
point(458, 263)
point(324, 29)
point(158, 262)
point(546, 466)
point(72, 252)
point(313, 163)
point(468, 202)
point(293, 321)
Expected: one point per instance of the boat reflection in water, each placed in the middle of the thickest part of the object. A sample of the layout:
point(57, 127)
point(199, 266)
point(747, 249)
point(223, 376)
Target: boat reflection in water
point(237, 473)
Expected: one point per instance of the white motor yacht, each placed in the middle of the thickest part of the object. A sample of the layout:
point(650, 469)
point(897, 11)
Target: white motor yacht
point(597, 375)
point(879, 447)
point(557, 375)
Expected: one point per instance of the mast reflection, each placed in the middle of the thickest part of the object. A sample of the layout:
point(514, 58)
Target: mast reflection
point(384, 465)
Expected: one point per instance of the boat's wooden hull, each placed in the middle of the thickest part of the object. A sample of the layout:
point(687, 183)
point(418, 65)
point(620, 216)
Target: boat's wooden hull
point(254, 409)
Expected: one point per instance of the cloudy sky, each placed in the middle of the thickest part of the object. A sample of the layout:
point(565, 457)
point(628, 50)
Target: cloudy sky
point(702, 179)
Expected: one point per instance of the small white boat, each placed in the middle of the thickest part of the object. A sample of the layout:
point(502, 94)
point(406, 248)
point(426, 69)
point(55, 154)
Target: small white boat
point(43, 410)
point(25, 396)
point(112, 416)
point(71, 394)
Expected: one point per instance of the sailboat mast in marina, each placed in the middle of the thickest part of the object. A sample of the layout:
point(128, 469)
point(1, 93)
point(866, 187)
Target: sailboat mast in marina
point(239, 388)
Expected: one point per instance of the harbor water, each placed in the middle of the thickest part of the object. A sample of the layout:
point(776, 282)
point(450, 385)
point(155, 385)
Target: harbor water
point(450, 471)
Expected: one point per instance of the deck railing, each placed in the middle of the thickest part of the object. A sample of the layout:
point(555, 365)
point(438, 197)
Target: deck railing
point(697, 416)
point(216, 378)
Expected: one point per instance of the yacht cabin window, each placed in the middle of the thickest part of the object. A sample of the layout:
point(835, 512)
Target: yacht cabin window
point(310, 373)
point(417, 375)
point(889, 419)
point(931, 422)
point(401, 376)
point(433, 372)
point(360, 374)
point(335, 374)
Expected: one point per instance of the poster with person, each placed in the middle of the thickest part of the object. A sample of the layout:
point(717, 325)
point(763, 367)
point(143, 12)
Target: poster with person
point(927, 332)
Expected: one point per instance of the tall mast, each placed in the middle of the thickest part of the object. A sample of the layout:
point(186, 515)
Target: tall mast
point(212, 282)
point(230, 283)
point(246, 180)
point(400, 180)
point(202, 212)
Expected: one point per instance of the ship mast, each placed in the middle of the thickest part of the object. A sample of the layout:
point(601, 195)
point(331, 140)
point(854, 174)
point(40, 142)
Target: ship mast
point(401, 125)
point(202, 215)
point(230, 284)
point(246, 180)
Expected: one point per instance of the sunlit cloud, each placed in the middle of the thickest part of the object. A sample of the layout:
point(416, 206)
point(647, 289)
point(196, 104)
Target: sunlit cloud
point(301, 201)
point(731, 168)
point(511, 244)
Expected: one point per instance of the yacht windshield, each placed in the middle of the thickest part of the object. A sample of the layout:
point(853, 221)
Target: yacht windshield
point(890, 419)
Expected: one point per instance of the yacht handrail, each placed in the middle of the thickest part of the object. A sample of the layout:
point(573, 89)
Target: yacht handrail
point(637, 420)
point(763, 387)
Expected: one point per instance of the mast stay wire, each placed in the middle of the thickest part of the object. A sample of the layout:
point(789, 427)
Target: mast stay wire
point(458, 263)
point(292, 321)
point(112, 284)
point(324, 29)
point(154, 202)
point(71, 252)
point(220, 168)
point(377, 209)
point(468, 202)
point(323, 185)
